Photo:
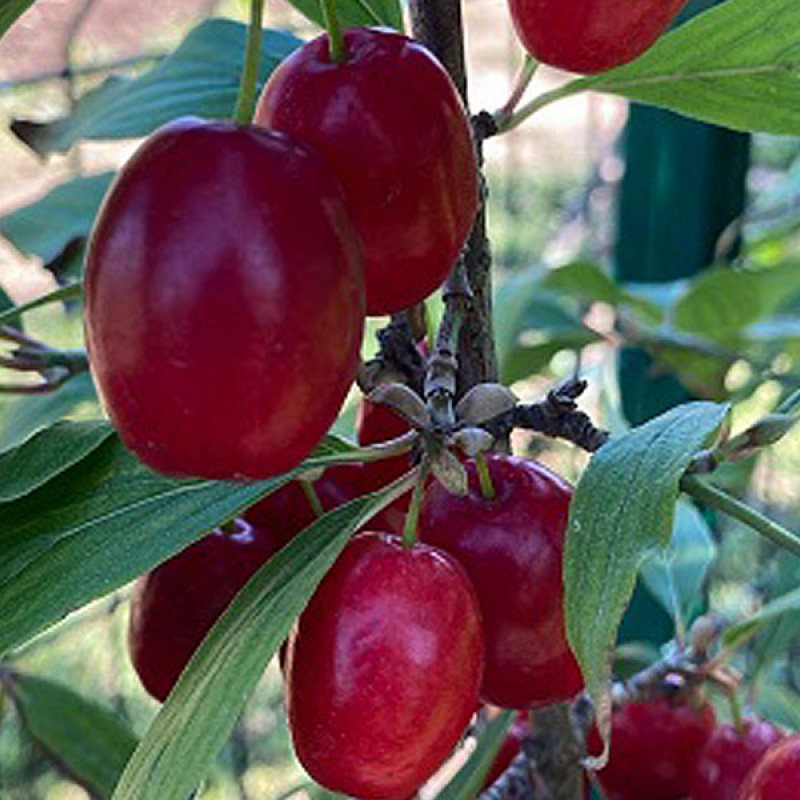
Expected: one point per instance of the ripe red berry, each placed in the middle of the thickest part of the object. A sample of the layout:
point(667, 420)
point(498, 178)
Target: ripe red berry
point(728, 756)
point(654, 746)
point(591, 35)
point(777, 774)
point(384, 669)
point(175, 605)
point(392, 126)
point(224, 301)
point(511, 548)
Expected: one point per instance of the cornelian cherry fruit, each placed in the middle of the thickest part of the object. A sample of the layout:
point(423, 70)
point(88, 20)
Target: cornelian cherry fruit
point(383, 671)
point(175, 605)
point(777, 775)
point(224, 301)
point(654, 746)
point(511, 548)
point(590, 36)
point(392, 125)
point(727, 758)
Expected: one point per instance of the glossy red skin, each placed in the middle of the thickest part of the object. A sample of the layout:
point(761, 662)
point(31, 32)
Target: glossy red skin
point(224, 301)
point(512, 548)
point(175, 605)
point(590, 36)
point(728, 757)
point(384, 670)
point(777, 775)
point(393, 127)
point(654, 746)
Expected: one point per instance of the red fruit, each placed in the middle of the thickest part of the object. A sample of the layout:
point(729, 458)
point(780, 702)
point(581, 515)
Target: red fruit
point(224, 301)
point(377, 423)
point(174, 606)
point(654, 747)
point(511, 548)
point(777, 775)
point(385, 667)
point(392, 126)
point(728, 757)
point(591, 35)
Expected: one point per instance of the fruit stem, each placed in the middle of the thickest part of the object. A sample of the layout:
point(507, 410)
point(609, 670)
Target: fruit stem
point(313, 498)
point(736, 711)
point(246, 101)
point(715, 498)
point(484, 478)
point(524, 78)
point(412, 516)
point(334, 28)
point(529, 109)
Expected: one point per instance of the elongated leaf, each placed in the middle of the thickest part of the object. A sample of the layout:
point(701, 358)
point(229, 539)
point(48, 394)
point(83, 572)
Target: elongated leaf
point(676, 576)
point(26, 415)
point(99, 524)
point(736, 65)
point(10, 10)
point(49, 226)
point(356, 13)
point(467, 782)
point(46, 454)
point(87, 741)
point(787, 603)
point(622, 511)
point(186, 735)
point(200, 78)
point(64, 293)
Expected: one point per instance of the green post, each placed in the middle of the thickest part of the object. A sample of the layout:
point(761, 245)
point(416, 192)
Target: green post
point(684, 183)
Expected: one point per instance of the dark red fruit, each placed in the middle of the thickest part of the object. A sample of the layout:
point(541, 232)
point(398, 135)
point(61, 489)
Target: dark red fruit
point(653, 749)
point(393, 127)
point(224, 301)
point(777, 774)
point(384, 670)
point(591, 35)
point(174, 606)
point(288, 511)
point(728, 757)
point(512, 547)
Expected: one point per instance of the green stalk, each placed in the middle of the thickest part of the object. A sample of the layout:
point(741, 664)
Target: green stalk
point(334, 28)
point(246, 101)
point(484, 478)
point(313, 498)
point(412, 516)
point(715, 498)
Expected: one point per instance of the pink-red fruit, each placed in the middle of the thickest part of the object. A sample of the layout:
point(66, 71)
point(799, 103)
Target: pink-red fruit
point(391, 124)
point(383, 671)
point(777, 775)
point(224, 301)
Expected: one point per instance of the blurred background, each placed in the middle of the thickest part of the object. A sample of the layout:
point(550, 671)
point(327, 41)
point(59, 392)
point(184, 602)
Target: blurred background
point(595, 271)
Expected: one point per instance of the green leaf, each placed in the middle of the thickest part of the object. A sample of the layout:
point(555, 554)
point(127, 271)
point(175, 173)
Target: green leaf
point(64, 293)
point(201, 78)
point(25, 415)
point(10, 10)
point(467, 782)
point(736, 65)
point(87, 741)
point(676, 576)
point(779, 704)
point(47, 454)
point(787, 603)
point(99, 524)
point(59, 220)
point(356, 13)
point(201, 711)
point(622, 511)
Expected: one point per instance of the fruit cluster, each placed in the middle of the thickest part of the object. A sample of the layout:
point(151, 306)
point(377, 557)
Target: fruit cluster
point(399, 644)
point(227, 259)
